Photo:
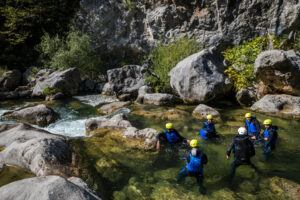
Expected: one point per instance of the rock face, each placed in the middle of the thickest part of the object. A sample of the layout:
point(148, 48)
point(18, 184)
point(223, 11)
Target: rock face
point(125, 80)
point(202, 110)
point(119, 122)
point(120, 28)
point(41, 115)
point(48, 188)
point(36, 150)
point(245, 97)
point(146, 96)
point(278, 72)
point(109, 108)
point(66, 82)
point(279, 105)
point(200, 78)
point(10, 80)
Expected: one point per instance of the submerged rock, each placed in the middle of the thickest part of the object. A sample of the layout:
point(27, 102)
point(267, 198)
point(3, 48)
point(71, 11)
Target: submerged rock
point(125, 80)
point(41, 115)
point(278, 72)
point(200, 77)
point(66, 82)
point(279, 105)
point(10, 80)
point(36, 150)
point(109, 108)
point(48, 188)
point(202, 110)
point(172, 114)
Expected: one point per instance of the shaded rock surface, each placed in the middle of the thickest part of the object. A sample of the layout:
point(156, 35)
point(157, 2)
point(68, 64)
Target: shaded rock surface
point(10, 80)
point(245, 97)
point(66, 82)
point(118, 28)
point(278, 72)
point(36, 150)
point(41, 115)
point(171, 114)
point(202, 110)
point(125, 80)
point(146, 96)
point(200, 77)
point(279, 105)
point(48, 188)
point(109, 108)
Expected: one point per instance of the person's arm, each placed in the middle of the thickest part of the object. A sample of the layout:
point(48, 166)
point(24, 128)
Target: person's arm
point(159, 138)
point(204, 159)
point(270, 138)
point(204, 126)
point(229, 149)
point(180, 138)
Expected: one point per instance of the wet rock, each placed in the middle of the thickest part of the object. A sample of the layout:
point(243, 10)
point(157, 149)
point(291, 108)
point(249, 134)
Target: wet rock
point(111, 107)
point(118, 122)
point(66, 82)
point(99, 87)
point(10, 80)
point(285, 188)
point(148, 134)
point(278, 105)
point(49, 187)
point(109, 169)
point(36, 150)
point(56, 96)
point(28, 75)
point(202, 110)
point(200, 77)
point(125, 80)
point(41, 115)
point(172, 114)
point(278, 72)
point(125, 97)
point(9, 95)
point(245, 97)
point(1, 167)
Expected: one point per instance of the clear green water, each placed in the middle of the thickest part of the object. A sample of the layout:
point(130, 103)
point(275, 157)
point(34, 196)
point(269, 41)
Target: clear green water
point(152, 175)
point(10, 174)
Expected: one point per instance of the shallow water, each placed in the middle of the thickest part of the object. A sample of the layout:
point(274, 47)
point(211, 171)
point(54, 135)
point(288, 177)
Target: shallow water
point(10, 174)
point(152, 175)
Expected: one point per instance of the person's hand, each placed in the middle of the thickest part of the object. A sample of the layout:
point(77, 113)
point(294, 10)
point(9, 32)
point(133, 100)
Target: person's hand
point(157, 145)
point(253, 137)
point(188, 141)
point(265, 139)
point(227, 157)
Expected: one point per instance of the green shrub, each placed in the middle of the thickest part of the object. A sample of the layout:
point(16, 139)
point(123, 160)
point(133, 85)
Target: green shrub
point(49, 91)
point(74, 51)
point(129, 4)
point(165, 58)
point(242, 58)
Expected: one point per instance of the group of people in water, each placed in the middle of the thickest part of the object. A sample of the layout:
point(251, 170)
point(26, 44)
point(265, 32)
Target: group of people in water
point(242, 145)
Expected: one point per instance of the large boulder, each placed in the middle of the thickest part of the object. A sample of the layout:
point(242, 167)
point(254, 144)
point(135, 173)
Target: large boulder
point(279, 105)
point(49, 83)
point(111, 107)
point(278, 72)
point(202, 110)
point(125, 80)
point(36, 150)
point(200, 77)
point(41, 115)
point(48, 188)
point(10, 80)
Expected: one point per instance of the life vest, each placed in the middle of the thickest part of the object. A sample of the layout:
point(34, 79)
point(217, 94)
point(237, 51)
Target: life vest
point(171, 137)
point(251, 128)
point(275, 136)
point(195, 164)
point(210, 126)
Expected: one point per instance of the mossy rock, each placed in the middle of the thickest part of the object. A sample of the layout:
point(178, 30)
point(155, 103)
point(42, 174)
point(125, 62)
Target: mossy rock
point(167, 174)
point(2, 149)
point(172, 114)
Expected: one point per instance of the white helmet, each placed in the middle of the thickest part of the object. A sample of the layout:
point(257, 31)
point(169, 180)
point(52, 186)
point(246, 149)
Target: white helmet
point(242, 131)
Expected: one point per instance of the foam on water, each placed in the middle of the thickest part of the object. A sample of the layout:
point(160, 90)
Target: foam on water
point(96, 99)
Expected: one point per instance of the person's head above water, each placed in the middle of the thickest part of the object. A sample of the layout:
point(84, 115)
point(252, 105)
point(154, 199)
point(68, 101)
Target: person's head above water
point(169, 126)
point(242, 131)
point(209, 118)
point(268, 123)
point(194, 143)
point(248, 116)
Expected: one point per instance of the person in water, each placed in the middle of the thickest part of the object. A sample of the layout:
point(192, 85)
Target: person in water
point(252, 125)
point(195, 160)
point(169, 136)
point(208, 129)
point(243, 150)
point(270, 136)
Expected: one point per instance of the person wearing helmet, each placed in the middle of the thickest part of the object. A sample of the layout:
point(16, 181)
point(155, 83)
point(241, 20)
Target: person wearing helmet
point(252, 125)
point(195, 160)
point(208, 129)
point(169, 136)
point(270, 136)
point(243, 150)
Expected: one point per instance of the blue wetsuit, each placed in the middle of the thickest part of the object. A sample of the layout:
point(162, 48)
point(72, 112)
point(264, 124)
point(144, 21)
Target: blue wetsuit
point(208, 130)
point(272, 136)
